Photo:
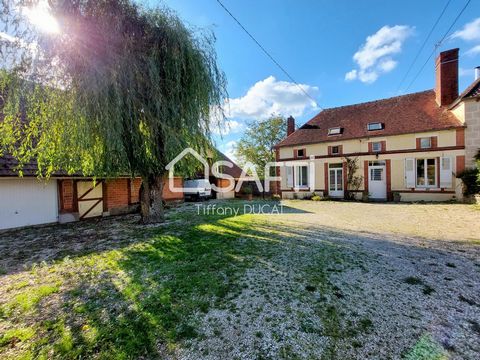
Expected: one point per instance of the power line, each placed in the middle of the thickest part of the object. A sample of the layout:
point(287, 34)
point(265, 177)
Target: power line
point(437, 45)
point(423, 45)
point(423, 66)
point(268, 54)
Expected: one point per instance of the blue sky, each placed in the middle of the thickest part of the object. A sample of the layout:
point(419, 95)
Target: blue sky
point(344, 52)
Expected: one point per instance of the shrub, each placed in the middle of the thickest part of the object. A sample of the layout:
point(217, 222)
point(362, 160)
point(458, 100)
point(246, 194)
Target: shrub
point(276, 197)
point(365, 195)
point(354, 181)
point(247, 190)
point(471, 183)
point(397, 197)
point(316, 198)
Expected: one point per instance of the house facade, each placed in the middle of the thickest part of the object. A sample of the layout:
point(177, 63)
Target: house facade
point(413, 145)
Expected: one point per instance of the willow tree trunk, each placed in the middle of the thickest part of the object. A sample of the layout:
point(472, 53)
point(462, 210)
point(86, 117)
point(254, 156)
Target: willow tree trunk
point(151, 200)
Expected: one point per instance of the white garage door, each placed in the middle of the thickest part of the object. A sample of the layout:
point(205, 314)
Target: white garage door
point(26, 202)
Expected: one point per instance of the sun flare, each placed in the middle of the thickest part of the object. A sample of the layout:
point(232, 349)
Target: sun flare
point(41, 17)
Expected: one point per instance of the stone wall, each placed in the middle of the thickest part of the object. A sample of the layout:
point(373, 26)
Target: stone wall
point(472, 132)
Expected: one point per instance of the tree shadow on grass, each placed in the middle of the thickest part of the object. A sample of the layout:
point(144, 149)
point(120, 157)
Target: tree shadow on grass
point(23, 248)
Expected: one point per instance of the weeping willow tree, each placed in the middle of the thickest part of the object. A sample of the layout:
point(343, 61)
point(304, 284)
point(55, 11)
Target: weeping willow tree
point(112, 88)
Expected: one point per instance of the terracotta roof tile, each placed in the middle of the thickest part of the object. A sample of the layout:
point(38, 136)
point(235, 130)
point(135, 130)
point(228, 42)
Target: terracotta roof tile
point(417, 112)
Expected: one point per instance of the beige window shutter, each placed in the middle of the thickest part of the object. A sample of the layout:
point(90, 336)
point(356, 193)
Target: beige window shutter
point(446, 172)
point(410, 173)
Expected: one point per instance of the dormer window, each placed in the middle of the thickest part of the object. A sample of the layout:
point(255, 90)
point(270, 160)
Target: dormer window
point(335, 131)
point(375, 126)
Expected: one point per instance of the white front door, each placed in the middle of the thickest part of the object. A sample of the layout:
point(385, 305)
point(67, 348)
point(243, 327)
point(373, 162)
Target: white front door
point(335, 182)
point(377, 182)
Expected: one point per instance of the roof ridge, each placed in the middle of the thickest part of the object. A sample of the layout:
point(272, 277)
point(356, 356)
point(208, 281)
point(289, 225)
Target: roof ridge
point(370, 102)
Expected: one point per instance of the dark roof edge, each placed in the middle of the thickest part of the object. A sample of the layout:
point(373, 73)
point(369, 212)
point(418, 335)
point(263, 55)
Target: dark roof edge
point(465, 94)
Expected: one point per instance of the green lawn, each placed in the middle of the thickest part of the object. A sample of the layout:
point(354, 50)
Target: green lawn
point(139, 299)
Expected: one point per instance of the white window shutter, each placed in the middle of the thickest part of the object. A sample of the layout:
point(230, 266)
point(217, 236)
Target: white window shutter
point(446, 172)
point(289, 176)
point(311, 176)
point(296, 176)
point(410, 173)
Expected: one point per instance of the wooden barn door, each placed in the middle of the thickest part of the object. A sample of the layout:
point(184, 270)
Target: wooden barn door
point(90, 199)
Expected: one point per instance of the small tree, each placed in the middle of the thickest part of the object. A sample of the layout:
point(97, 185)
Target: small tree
point(256, 145)
point(354, 181)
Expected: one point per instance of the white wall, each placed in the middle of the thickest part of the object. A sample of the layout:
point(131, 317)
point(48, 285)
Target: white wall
point(226, 195)
point(26, 201)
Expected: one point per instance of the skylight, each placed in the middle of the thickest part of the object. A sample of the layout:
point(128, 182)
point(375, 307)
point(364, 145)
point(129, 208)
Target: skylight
point(335, 131)
point(375, 126)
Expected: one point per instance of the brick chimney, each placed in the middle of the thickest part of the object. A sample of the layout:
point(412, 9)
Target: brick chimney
point(290, 125)
point(446, 77)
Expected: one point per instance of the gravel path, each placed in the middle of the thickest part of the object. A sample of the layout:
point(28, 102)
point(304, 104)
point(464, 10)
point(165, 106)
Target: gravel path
point(401, 281)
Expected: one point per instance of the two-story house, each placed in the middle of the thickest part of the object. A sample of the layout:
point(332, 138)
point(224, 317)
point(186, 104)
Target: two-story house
point(413, 144)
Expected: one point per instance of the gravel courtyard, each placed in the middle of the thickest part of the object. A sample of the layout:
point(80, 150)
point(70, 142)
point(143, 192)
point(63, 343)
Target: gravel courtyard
point(323, 280)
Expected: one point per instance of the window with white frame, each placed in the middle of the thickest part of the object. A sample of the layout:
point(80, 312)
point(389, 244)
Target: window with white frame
point(425, 143)
point(375, 126)
point(426, 173)
point(377, 146)
point(377, 163)
point(335, 131)
point(335, 150)
point(301, 176)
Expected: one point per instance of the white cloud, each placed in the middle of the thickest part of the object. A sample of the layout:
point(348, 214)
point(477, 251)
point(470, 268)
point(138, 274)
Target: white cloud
point(387, 65)
point(229, 126)
point(229, 149)
point(351, 75)
point(7, 37)
point(270, 96)
point(473, 51)
point(375, 56)
point(469, 32)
